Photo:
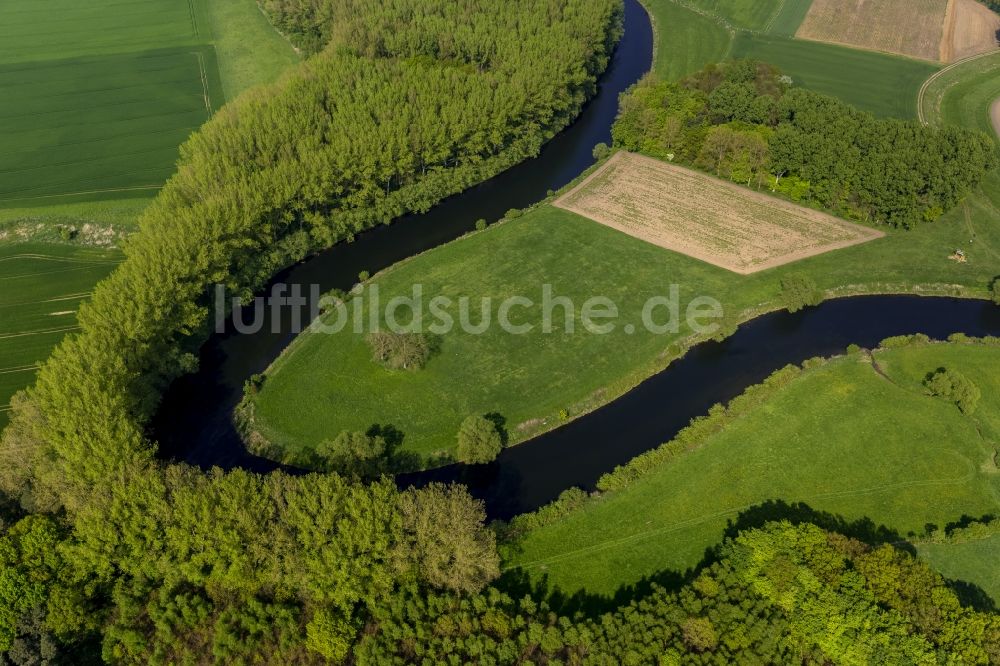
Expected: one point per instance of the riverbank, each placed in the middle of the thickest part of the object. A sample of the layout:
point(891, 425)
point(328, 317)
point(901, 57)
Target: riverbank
point(819, 439)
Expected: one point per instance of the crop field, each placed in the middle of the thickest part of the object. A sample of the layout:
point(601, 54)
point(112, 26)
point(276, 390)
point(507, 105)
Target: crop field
point(909, 27)
point(98, 97)
point(709, 219)
point(99, 124)
point(883, 84)
point(840, 438)
point(971, 29)
point(41, 287)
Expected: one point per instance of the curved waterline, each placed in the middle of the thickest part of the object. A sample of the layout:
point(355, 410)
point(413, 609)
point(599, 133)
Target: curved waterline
point(194, 422)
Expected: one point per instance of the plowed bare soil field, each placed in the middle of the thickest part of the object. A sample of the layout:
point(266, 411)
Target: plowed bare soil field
point(712, 220)
point(906, 27)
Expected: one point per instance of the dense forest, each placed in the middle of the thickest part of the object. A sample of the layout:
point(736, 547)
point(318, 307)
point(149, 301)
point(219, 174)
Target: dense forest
point(743, 121)
point(134, 560)
point(109, 553)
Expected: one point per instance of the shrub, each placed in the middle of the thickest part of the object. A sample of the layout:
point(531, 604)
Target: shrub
point(354, 453)
point(364, 276)
point(601, 151)
point(513, 214)
point(955, 387)
point(253, 385)
point(799, 291)
point(480, 224)
point(479, 441)
point(400, 351)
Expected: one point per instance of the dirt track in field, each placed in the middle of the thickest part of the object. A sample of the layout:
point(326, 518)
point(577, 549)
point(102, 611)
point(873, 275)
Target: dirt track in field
point(995, 116)
point(712, 220)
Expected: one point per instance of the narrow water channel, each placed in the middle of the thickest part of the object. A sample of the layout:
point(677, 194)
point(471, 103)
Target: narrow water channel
point(194, 423)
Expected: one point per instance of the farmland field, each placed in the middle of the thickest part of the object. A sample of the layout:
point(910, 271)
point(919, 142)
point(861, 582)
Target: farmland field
point(912, 28)
point(789, 17)
point(42, 287)
point(825, 440)
point(706, 218)
point(98, 97)
point(883, 84)
point(971, 28)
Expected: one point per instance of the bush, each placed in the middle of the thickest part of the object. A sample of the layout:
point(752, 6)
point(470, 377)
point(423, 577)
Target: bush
point(253, 385)
point(479, 441)
point(955, 387)
point(364, 276)
point(513, 214)
point(480, 225)
point(601, 151)
point(354, 453)
point(400, 351)
point(799, 291)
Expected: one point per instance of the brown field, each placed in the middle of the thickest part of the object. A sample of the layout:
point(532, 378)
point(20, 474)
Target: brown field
point(712, 220)
point(906, 27)
point(970, 29)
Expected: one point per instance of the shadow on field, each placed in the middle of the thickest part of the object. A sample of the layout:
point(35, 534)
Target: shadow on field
point(518, 583)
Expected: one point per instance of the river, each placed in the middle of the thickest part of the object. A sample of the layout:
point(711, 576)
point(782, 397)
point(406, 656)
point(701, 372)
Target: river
point(194, 423)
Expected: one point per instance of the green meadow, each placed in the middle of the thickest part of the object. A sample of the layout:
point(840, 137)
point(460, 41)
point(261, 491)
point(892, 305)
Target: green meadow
point(41, 288)
point(882, 84)
point(971, 561)
point(692, 35)
point(324, 384)
point(842, 439)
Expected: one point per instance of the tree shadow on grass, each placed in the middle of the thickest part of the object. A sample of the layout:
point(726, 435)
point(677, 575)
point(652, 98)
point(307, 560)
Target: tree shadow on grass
point(518, 582)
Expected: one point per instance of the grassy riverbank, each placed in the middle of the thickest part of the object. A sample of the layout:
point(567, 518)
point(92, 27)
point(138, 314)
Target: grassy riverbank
point(865, 444)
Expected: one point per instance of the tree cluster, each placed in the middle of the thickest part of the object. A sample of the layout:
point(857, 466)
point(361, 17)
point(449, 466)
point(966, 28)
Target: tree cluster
point(955, 387)
point(742, 121)
point(400, 351)
point(408, 102)
point(778, 594)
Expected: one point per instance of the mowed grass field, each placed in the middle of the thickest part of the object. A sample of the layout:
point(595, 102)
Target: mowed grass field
point(41, 287)
point(685, 40)
point(840, 438)
point(707, 218)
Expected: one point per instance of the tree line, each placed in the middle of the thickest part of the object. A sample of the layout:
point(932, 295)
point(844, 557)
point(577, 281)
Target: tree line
point(152, 562)
point(744, 121)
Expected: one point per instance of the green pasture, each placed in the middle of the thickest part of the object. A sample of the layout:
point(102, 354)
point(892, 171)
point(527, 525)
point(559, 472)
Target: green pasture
point(325, 384)
point(842, 439)
point(883, 84)
point(685, 40)
point(41, 288)
point(972, 562)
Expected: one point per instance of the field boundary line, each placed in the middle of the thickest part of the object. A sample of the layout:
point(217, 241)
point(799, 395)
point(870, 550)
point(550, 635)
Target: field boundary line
point(56, 272)
point(50, 257)
point(71, 297)
point(938, 74)
point(194, 19)
point(23, 368)
point(45, 331)
point(774, 16)
point(74, 194)
point(204, 81)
